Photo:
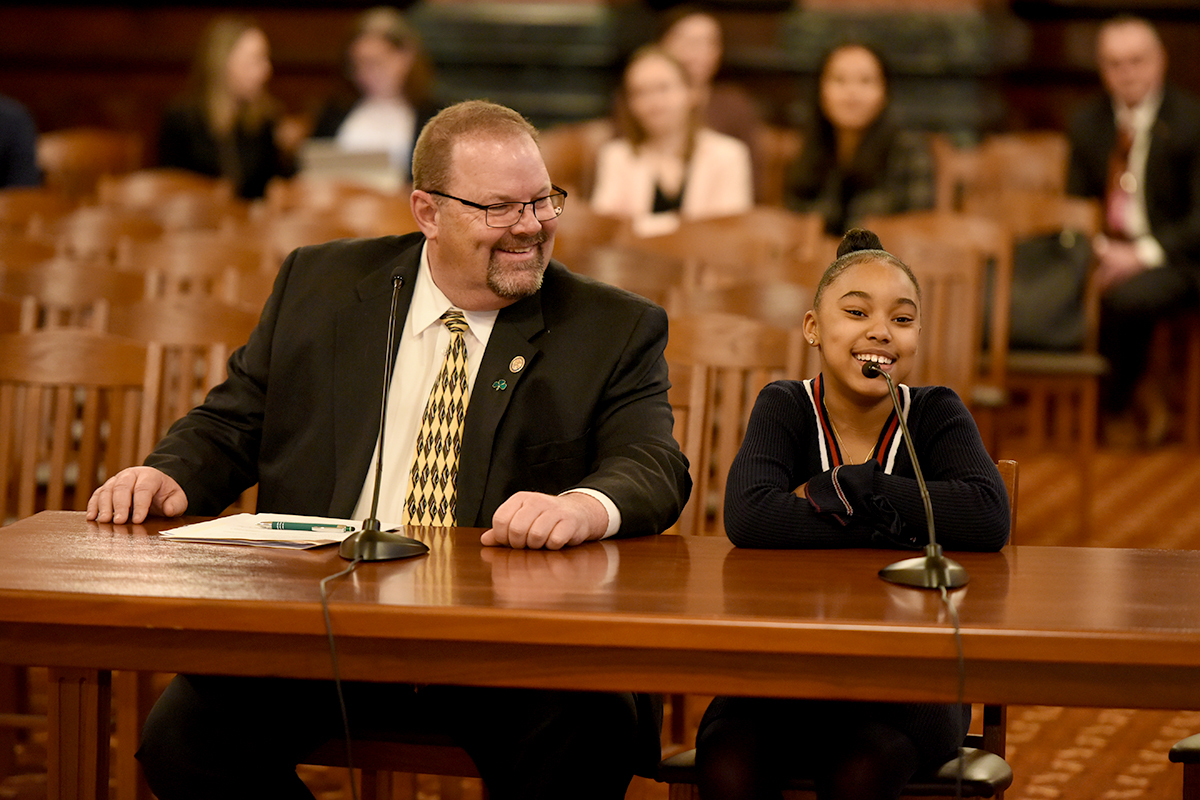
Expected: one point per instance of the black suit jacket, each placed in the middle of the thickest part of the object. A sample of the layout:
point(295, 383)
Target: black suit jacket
point(1172, 168)
point(299, 413)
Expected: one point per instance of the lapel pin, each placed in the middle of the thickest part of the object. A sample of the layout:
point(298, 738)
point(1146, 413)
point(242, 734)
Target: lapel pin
point(517, 364)
point(500, 386)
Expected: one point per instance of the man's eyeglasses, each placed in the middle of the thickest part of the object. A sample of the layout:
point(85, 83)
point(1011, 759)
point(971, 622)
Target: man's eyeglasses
point(505, 215)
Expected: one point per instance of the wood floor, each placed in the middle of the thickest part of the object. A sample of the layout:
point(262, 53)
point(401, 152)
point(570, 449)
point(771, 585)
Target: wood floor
point(1137, 499)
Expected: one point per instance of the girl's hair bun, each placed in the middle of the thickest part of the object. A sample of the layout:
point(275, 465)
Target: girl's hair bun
point(858, 239)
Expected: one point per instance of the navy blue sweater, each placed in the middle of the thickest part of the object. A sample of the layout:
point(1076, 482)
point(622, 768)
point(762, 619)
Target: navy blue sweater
point(875, 504)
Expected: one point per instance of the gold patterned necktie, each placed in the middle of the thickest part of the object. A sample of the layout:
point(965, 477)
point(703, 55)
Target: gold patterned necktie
point(431, 492)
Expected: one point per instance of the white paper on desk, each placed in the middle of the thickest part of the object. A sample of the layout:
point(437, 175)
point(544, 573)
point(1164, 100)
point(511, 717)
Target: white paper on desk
point(243, 529)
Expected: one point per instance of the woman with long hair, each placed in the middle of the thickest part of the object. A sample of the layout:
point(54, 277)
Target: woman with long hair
point(667, 165)
point(226, 125)
point(854, 161)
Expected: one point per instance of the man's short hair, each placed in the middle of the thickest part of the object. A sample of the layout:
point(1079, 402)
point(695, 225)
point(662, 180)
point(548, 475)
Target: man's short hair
point(1122, 20)
point(470, 118)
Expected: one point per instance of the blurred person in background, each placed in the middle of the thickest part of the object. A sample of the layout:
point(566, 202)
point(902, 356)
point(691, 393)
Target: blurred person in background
point(695, 38)
point(391, 75)
point(667, 165)
point(854, 162)
point(1136, 148)
point(227, 125)
point(18, 146)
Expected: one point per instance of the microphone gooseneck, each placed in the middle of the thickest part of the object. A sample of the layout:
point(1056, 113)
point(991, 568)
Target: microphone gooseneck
point(372, 543)
point(932, 570)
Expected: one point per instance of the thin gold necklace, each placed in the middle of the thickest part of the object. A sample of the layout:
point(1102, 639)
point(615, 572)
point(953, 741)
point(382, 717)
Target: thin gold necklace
point(842, 447)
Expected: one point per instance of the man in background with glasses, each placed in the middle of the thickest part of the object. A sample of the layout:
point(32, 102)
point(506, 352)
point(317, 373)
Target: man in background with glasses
point(565, 437)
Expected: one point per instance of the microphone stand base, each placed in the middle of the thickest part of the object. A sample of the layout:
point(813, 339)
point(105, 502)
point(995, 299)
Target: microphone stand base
point(377, 545)
point(930, 571)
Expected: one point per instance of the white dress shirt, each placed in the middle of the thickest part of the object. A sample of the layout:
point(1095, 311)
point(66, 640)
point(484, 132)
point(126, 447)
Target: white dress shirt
point(424, 340)
point(375, 126)
point(1140, 121)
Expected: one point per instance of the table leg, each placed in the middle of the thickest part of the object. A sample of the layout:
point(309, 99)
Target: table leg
point(78, 702)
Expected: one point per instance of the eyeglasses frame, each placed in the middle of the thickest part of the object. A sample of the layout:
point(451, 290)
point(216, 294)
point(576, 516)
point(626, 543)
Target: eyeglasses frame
point(485, 208)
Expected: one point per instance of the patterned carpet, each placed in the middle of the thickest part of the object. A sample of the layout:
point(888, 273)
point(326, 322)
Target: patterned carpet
point(1067, 753)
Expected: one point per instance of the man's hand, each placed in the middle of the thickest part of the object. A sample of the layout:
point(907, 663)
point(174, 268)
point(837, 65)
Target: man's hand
point(133, 493)
point(1117, 262)
point(535, 520)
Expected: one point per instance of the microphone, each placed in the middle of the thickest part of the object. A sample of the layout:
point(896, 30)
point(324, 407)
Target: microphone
point(371, 543)
point(932, 570)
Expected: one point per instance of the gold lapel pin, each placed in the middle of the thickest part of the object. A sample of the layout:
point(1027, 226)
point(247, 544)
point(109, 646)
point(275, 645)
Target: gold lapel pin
point(517, 364)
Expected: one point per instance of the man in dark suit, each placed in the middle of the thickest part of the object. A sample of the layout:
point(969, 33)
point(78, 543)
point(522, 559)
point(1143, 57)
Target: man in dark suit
point(1137, 149)
point(566, 439)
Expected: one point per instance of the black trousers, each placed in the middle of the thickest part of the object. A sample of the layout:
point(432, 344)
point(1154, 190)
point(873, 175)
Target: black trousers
point(853, 750)
point(220, 737)
point(1129, 312)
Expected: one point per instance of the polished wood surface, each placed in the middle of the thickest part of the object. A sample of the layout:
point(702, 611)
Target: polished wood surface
point(1070, 626)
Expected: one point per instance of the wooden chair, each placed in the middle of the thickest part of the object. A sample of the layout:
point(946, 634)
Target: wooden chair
point(985, 773)
point(699, 429)
point(384, 757)
point(1187, 752)
point(19, 251)
point(652, 275)
point(192, 340)
point(984, 244)
point(248, 290)
point(29, 210)
point(195, 336)
point(75, 407)
point(763, 244)
point(286, 232)
point(779, 304)
point(1191, 393)
point(989, 240)
point(74, 159)
point(777, 148)
point(1061, 389)
point(71, 293)
point(952, 277)
point(17, 314)
point(58, 444)
point(175, 198)
point(570, 151)
point(189, 263)
point(377, 214)
point(98, 233)
point(978, 180)
point(719, 363)
point(581, 230)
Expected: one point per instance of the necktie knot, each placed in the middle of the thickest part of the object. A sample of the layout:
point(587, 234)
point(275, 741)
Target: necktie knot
point(455, 321)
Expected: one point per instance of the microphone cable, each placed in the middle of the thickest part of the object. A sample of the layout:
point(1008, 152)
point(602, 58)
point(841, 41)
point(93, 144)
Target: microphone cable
point(337, 677)
point(959, 733)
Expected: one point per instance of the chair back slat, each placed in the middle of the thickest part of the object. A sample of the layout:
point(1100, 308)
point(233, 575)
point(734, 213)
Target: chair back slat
point(719, 363)
point(72, 407)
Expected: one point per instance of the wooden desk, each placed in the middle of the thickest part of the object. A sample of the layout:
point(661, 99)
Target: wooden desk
point(1041, 625)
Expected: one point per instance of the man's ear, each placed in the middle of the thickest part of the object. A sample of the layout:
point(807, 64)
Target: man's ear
point(425, 210)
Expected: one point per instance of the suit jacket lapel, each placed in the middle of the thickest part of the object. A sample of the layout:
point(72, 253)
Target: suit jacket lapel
point(358, 371)
point(510, 355)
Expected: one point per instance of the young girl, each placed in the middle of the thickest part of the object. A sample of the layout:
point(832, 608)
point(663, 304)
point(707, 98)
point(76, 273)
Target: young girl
point(823, 465)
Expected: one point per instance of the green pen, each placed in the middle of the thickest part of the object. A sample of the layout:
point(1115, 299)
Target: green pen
point(316, 527)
